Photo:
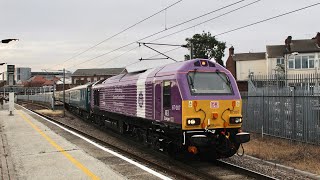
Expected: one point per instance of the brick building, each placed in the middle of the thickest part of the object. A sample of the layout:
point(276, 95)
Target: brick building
point(83, 76)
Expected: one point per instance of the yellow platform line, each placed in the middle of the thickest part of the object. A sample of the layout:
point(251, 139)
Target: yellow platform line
point(60, 149)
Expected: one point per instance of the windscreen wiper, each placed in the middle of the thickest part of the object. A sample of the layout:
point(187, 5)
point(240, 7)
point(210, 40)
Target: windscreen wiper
point(191, 81)
point(227, 81)
point(192, 78)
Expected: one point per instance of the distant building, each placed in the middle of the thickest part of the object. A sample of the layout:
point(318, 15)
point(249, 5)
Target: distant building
point(296, 56)
point(293, 57)
point(83, 76)
point(22, 74)
point(51, 74)
point(250, 63)
point(4, 76)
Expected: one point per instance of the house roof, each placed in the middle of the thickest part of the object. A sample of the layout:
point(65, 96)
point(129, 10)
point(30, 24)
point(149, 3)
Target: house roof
point(275, 51)
point(96, 72)
point(37, 79)
point(300, 46)
point(304, 45)
point(249, 56)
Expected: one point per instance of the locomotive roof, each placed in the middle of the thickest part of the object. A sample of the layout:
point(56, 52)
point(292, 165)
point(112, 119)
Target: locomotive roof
point(166, 70)
point(80, 87)
point(172, 71)
point(98, 71)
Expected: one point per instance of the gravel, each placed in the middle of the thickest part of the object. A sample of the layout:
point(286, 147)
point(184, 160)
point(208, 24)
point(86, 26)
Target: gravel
point(267, 168)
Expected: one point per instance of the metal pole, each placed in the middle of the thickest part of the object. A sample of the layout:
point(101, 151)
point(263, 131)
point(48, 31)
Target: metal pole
point(64, 93)
point(286, 69)
point(53, 99)
point(191, 51)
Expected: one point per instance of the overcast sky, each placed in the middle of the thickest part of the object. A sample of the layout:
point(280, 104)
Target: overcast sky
point(51, 32)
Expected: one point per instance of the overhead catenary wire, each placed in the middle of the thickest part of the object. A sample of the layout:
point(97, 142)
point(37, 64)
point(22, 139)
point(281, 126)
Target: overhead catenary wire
point(154, 56)
point(119, 55)
point(235, 29)
point(174, 26)
point(241, 7)
point(122, 31)
point(268, 19)
point(248, 25)
point(226, 13)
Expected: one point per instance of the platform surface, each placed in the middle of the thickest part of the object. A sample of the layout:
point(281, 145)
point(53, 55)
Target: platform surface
point(30, 150)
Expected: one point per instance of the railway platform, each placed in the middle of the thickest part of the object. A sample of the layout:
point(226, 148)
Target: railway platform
point(31, 150)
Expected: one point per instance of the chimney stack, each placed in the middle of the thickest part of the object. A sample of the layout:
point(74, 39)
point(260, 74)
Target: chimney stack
point(231, 51)
point(231, 63)
point(287, 43)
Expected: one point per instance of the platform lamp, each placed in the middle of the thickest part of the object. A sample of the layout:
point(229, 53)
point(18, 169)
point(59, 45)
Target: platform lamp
point(6, 41)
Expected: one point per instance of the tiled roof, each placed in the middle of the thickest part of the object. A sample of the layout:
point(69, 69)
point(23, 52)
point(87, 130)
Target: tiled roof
point(300, 46)
point(249, 56)
point(38, 79)
point(276, 51)
point(304, 46)
point(100, 71)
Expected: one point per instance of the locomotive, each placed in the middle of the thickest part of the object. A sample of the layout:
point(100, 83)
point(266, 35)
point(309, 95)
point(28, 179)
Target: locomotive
point(191, 106)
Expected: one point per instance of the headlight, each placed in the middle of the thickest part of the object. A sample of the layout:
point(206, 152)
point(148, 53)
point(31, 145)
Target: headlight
point(235, 120)
point(193, 121)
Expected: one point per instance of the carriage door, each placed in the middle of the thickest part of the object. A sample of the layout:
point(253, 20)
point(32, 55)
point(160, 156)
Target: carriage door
point(166, 100)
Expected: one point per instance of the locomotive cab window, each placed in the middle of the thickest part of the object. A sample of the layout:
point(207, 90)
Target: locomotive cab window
point(166, 94)
point(208, 83)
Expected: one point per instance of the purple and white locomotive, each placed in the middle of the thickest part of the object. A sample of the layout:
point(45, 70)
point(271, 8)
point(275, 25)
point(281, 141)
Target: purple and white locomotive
point(192, 106)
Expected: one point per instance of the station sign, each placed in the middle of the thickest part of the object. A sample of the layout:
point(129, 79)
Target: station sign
point(10, 69)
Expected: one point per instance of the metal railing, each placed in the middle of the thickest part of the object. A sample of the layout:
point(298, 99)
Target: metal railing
point(42, 98)
point(291, 112)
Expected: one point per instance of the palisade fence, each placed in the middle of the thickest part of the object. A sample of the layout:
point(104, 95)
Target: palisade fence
point(283, 107)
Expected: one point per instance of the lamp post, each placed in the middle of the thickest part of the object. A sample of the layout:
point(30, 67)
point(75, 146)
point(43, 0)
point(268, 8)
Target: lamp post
point(286, 56)
point(11, 94)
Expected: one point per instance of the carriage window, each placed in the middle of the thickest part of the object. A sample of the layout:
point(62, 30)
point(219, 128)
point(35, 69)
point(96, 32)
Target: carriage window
point(96, 97)
point(166, 94)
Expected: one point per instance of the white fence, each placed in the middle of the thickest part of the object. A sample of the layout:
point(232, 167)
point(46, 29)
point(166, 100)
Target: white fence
point(44, 98)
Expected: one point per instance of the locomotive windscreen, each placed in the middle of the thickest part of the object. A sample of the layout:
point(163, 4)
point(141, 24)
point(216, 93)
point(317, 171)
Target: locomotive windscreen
point(209, 83)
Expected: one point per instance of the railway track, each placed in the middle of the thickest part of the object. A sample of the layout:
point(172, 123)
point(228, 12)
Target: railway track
point(178, 169)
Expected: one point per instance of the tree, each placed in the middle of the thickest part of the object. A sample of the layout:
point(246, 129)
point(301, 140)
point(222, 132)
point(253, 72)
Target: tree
point(280, 71)
point(205, 46)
